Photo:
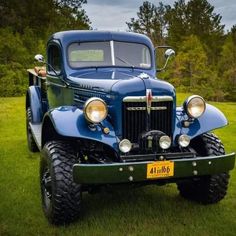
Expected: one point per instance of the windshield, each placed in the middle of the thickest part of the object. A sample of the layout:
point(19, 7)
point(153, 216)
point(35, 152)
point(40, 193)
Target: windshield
point(112, 53)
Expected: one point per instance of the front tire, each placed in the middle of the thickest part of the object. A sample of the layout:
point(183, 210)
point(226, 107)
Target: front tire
point(61, 196)
point(206, 189)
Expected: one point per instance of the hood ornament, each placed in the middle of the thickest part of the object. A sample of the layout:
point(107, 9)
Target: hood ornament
point(143, 76)
point(149, 100)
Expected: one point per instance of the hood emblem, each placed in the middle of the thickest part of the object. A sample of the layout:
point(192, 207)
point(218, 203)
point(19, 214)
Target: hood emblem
point(149, 100)
point(143, 76)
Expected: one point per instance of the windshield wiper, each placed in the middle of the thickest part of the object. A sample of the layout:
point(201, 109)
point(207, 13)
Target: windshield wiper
point(126, 62)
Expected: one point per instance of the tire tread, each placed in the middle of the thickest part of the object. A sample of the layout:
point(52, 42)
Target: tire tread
point(207, 189)
point(66, 194)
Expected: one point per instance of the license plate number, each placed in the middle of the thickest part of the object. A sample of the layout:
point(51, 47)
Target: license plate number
point(160, 169)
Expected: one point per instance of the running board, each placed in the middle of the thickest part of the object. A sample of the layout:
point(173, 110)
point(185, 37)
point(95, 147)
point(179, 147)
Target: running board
point(36, 131)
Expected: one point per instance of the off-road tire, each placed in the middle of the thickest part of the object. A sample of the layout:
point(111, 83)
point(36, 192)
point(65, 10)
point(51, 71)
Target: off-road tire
point(206, 189)
point(30, 139)
point(61, 196)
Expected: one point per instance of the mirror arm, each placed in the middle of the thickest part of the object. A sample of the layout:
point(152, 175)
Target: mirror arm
point(51, 67)
point(164, 67)
point(164, 46)
point(65, 82)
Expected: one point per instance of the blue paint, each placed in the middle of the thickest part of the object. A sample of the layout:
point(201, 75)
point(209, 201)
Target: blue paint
point(69, 121)
point(34, 100)
point(212, 119)
point(112, 85)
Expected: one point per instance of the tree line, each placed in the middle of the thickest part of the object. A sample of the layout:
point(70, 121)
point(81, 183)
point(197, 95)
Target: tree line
point(206, 54)
point(24, 30)
point(205, 61)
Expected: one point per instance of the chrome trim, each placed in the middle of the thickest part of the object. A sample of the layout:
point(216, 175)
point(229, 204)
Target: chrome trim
point(143, 99)
point(149, 99)
point(136, 108)
point(143, 75)
point(48, 83)
point(127, 141)
point(144, 108)
point(112, 52)
point(158, 108)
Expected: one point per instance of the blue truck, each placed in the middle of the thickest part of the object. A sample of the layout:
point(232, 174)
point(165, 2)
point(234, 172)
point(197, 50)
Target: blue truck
point(99, 116)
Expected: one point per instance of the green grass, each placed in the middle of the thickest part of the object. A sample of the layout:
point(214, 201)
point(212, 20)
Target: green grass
point(149, 210)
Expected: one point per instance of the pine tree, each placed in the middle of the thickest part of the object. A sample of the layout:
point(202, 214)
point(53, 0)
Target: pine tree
point(191, 72)
point(227, 65)
point(196, 17)
point(24, 28)
point(151, 21)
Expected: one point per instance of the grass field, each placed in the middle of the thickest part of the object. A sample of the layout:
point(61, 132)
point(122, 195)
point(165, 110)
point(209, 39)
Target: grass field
point(149, 210)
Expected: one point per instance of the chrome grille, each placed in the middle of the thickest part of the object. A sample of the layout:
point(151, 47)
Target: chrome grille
point(135, 118)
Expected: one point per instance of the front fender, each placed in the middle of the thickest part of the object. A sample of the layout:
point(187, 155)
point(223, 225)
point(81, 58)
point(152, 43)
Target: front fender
point(34, 101)
point(69, 121)
point(212, 119)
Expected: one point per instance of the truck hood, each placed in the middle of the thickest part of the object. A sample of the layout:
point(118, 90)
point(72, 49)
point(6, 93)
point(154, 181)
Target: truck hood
point(120, 83)
point(113, 85)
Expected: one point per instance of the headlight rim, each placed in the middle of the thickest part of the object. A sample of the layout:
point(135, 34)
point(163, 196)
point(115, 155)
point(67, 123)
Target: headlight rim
point(181, 136)
point(188, 100)
point(161, 145)
point(121, 143)
point(86, 106)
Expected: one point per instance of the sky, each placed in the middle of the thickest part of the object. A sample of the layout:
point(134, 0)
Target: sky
point(112, 14)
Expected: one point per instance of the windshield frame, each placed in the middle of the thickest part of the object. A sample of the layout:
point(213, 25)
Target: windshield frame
point(112, 52)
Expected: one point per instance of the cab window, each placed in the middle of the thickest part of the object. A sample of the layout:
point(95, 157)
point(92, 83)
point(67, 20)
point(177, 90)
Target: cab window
point(54, 59)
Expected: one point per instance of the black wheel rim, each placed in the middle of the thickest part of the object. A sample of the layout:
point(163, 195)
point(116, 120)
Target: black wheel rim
point(46, 184)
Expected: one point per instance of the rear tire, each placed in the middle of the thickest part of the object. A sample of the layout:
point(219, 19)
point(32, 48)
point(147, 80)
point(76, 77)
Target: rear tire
point(61, 196)
point(206, 189)
point(30, 139)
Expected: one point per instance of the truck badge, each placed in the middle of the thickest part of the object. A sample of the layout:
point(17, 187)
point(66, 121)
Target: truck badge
point(149, 100)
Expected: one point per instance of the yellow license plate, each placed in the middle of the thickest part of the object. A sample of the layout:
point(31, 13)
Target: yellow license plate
point(160, 169)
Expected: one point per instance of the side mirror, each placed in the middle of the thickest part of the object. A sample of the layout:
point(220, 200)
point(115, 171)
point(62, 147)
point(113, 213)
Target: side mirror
point(39, 58)
point(169, 53)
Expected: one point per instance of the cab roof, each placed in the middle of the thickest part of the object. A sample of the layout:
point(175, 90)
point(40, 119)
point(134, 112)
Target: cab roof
point(67, 37)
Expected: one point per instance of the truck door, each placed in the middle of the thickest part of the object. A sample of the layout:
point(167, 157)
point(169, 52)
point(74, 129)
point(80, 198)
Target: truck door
point(58, 94)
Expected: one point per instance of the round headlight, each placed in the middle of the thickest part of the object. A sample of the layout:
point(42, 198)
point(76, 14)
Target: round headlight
point(125, 145)
point(195, 106)
point(95, 110)
point(184, 140)
point(164, 142)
